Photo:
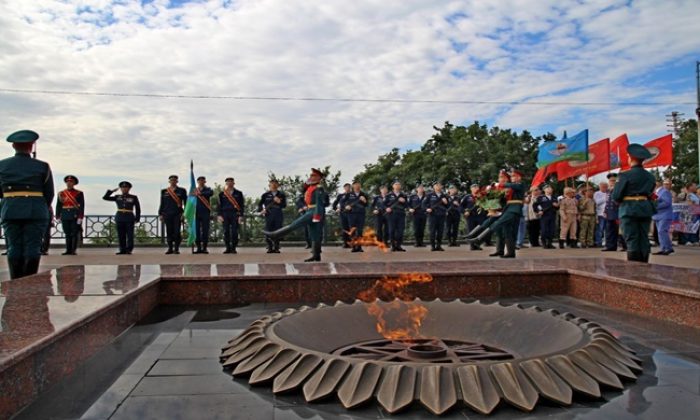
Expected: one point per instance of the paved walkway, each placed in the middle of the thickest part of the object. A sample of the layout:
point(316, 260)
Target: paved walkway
point(684, 257)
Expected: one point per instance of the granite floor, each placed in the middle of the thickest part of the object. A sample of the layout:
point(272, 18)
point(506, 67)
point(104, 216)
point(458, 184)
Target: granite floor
point(166, 367)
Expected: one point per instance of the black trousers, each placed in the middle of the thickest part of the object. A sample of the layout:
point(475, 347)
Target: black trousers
point(173, 229)
point(230, 229)
point(548, 226)
point(345, 226)
point(273, 221)
point(533, 232)
point(397, 226)
point(357, 221)
point(452, 224)
point(125, 233)
point(381, 227)
point(46, 240)
point(201, 226)
point(437, 228)
point(71, 230)
point(419, 227)
point(612, 236)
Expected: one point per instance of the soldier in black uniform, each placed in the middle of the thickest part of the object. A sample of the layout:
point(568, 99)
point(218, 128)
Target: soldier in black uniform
point(474, 214)
point(172, 200)
point(270, 206)
point(355, 204)
point(231, 213)
point(436, 207)
point(344, 223)
point(416, 210)
point(70, 210)
point(395, 205)
point(547, 207)
point(380, 222)
point(27, 193)
point(128, 214)
point(202, 215)
point(454, 215)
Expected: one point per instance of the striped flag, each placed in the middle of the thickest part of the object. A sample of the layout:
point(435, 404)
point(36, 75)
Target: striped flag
point(191, 209)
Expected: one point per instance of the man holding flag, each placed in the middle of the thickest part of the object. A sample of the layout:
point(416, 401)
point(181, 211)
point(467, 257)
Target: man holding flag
point(202, 215)
point(170, 210)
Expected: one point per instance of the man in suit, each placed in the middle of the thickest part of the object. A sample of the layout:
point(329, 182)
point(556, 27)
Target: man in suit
point(27, 193)
point(664, 217)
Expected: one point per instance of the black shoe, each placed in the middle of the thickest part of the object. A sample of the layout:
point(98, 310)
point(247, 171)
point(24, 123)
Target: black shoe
point(270, 251)
point(475, 247)
point(227, 251)
point(439, 248)
point(561, 244)
point(121, 253)
point(432, 248)
point(496, 254)
point(168, 252)
point(66, 253)
point(420, 246)
point(312, 259)
point(508, 256)
point(177, 252)
point(608, 250)
point(400, 249)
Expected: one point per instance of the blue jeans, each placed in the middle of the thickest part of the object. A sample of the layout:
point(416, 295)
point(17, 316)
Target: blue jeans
point(599, 231)
point(662, 226)
point(521, 232)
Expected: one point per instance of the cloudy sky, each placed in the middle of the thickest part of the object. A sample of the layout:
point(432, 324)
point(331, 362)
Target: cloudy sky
point(586, 57)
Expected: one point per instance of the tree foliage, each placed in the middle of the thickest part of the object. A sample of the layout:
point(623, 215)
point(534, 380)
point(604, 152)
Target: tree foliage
point(685, 155)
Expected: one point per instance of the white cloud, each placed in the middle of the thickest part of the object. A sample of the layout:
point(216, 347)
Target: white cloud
point(514, 50)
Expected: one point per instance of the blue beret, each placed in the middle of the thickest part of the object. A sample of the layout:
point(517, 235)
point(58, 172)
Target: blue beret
point(23, 136)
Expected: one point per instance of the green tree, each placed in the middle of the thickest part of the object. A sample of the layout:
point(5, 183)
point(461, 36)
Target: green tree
point(685, 155)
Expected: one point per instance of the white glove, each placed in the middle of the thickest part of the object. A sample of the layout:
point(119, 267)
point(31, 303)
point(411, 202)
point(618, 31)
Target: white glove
point(80, 222)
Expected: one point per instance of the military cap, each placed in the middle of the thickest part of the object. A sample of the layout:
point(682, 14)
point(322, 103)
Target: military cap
point(318, 172)
point(173, 177)
point(23, 136)
point(451, 186)
point(612, 175)
point(638, 151)
point(273, 180)
point(228, 179)
point(437, 183)
point(396, 181)
point(125, 184)
point(546, 186)
point(516, 172)
point(71, 178)
point(201, 178)
point(504, 173)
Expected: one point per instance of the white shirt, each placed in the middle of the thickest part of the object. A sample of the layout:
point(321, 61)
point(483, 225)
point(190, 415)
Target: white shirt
point(600, 198)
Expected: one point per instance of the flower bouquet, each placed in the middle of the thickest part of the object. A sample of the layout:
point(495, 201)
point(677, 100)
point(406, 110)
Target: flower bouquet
point(491, 200)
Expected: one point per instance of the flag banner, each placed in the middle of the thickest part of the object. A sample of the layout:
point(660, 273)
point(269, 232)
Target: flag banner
point(685, 218)
point(661, 152)
point(191, 209)
point(572, 148)
point(540, 176)
point(618, 153)
point(598, 162)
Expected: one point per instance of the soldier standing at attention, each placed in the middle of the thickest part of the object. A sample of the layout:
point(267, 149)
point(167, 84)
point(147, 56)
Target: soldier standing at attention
point(170, 211)
point(270, 206)
point(231, 213)
point(454, 215)
point(546, 207)
point(436, 207)
point(380, 221)
point(27, 193)
point(355, 204)
point(70, 210)
point(586, 211)
point(128, 214)
point(415, 209)
point(338, 207)
point(395, 204)
point(202, 215)
point(612, 218)
point(634, 191)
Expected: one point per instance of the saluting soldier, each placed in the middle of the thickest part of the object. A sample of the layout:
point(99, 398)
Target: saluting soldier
point(128, 214)
point(172, 200)
point(231, 213)
point(27, 193)
point(417, 211)
point(70, 210)
point(202, 215)
point(270, 206)
point(454, 215)
point(436, 207)
point(395, 205)
point(355, 205)
point(634, 191)
point(473, 213)
point(344, 222)
point(381, 227)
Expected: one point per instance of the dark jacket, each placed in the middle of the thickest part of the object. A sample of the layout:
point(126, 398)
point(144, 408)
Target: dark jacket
point(22, 173)
point(128, 206)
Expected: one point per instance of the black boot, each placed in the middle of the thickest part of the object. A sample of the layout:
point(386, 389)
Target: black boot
point(228, 249)
point(479, 239)
point(500, 245)
point(315, 252)
point(474, 232)
point(16, 266)
point(170, 249)
point(561, 244)
point(510, 248)
point(572, 243)
point(204, 248)
point(31, 266)
point(69, 246)
point(199, 248)
point(276, 248)
point(432, 246)
point(177, 248)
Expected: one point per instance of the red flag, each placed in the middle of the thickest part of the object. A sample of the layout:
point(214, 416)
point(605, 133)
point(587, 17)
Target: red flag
point(598, 162)
point(618, 153)
point(540, 176)
point(661, 150)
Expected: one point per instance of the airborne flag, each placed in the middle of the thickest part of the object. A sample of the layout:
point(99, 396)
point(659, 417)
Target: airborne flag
point(598, 162)
point(661, 150)
point(191, 209)
point(572, 148)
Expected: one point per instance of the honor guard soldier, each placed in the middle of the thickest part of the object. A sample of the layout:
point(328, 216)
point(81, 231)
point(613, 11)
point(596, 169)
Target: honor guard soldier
point(128, 214)
point(355, 204)
point(454, 215)
point(301, 209)
point(231, 213)
point(172, 200)
point(271, 204)
point(344, 222)
point(395, 205)
point(417, 212)
point(436, 207)
point(202, 215)
point(27, 193)
point(381, 227)
point(635, 192)
point(472, 213)
point(546, 206)
point(70, 210)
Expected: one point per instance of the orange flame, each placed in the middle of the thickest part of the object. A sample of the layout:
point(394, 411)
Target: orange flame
point(400, 318)
point(368, 238)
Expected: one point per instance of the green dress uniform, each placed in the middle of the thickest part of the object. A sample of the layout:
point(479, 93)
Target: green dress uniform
point(633, 191)
point(27, 193)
